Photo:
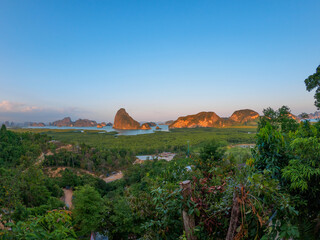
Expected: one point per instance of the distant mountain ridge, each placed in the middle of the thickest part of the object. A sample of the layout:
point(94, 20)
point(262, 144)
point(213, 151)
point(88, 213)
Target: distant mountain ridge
point(211, 119)
point(244, 116)
point(315, 115)
point(169, 122)
point(67, 122)
point(40, 124)
point(124, 121)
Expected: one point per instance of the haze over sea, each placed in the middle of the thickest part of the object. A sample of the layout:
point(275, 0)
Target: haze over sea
point(163, 128)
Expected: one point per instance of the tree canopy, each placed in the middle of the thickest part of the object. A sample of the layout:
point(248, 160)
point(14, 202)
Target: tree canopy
point(313, 82)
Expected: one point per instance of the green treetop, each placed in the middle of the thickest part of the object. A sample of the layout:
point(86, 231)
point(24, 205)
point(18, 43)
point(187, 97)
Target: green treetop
point(312, 82)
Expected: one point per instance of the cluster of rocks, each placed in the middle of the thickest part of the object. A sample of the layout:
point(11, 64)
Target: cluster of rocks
point(315, 115)
point(67, 122)
point(124, 121)
point(211, 119)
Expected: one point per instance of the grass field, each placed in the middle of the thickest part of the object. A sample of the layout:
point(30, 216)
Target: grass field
point(175, 140)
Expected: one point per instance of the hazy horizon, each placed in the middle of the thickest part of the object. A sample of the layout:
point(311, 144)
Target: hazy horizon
point(29, 117)
point(158, 60)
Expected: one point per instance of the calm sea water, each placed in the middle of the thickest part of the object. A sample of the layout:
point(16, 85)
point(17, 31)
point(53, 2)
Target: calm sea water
point(164, 128)
point(145, 157)
point(312, 120)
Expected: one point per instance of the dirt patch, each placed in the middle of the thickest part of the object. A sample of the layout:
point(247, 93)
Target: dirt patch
point(49, 153)
point(168, 156)
point(113, 177)
point(68, 147)
point(55, 171)
point(40, 159)
point(138, 161)
point(2, 226)
point(67, 198)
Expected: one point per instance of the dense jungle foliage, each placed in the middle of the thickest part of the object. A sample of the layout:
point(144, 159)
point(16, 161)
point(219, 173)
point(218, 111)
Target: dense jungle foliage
point(174, 141)
point(276, 187)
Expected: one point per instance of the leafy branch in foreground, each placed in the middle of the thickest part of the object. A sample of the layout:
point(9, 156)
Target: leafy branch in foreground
point(312, 82)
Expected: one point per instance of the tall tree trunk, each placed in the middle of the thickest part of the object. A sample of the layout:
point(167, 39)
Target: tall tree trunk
point(188, 220)
point(235, 212)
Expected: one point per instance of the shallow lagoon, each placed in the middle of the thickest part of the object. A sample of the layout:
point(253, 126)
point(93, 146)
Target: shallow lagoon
point(164, 128)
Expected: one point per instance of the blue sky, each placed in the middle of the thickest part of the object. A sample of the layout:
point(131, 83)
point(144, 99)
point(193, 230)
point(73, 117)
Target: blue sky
point(157, 59)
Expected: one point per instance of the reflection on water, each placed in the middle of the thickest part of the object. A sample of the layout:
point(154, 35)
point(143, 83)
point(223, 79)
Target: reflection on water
point(311, 120)
point(145, 157)
point(163, 128)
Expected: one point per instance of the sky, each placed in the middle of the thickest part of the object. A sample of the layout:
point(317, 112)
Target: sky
point(157, 59)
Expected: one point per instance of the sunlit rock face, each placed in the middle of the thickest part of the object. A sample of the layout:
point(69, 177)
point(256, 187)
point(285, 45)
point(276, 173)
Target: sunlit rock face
point(37, 124)
point(210, 119)
point(122, 120)
point(244, 116)
point(151, 124)
point(294, 117)
point(145, 126)
point(202, 119)
point(101, 125)
point(314, 115)
point(66, 122)
point(85, 123)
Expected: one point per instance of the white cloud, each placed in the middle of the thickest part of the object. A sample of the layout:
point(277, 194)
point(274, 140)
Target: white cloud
point(21, 112)
point(14, 107)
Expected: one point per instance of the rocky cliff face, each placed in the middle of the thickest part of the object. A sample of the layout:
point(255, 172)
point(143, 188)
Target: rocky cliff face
point(244, 116)
point(122, 120)
point(85, 123)
point(314, 115)
point(151, 124)
point(66, 122)
point(169, 122)
point(37, 124)
point(294, 117)
point(211, 119)
point(202, 119)
point(145, 126)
